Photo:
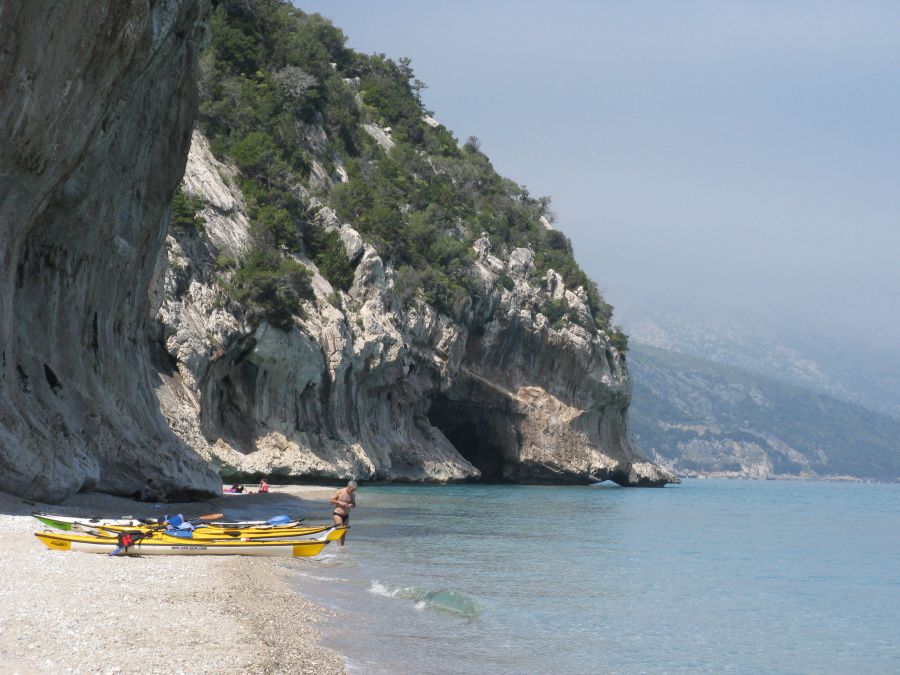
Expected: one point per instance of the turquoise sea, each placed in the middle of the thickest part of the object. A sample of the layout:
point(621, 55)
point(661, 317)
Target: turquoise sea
point(707, 576)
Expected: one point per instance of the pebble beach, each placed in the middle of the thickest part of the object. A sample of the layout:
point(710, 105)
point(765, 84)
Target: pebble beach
point(82, 612)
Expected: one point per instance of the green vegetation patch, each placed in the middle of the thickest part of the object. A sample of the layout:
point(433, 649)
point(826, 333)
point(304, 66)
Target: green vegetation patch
point(186, 212)
point(274, 76)
point(272, 285)
point(327, 250)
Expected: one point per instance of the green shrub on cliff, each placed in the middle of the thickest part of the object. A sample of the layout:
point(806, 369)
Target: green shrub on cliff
point(554, 310)
point(186, 212)
point(274, 76)
point(275, 226)
point(254, 153)
point(618, 339)
point(327, 252)
point(272, 286)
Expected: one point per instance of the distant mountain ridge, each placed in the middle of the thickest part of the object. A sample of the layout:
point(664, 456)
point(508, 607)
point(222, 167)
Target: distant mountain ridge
point(828, 364)
point(698, 417)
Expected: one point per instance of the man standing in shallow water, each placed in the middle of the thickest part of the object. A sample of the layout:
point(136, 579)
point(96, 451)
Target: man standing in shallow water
point(344, 500)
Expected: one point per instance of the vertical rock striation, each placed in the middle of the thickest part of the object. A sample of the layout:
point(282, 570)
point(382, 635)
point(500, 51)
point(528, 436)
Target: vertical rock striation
point(533, 402)
point(344, 393)
point(361, 386)
point(97, 101)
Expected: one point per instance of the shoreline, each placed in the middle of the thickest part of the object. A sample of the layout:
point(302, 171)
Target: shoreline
point(197, 614)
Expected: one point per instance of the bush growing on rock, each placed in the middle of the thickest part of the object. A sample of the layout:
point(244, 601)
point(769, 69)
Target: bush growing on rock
point(224, 262)
point(275, 226)
point(618, 339)
point(283, 95)
point(555, 310)
point(186, 212)
point(272, 286)
point(254, 153)
point(327, 251)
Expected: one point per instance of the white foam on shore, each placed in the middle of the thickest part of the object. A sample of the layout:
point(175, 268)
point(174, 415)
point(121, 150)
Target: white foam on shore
point(318, 577)
point(379, 588)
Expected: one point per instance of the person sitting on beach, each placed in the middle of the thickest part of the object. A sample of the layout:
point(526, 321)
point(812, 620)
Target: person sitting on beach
point(263, 485)
point(152, 493)
point(344, 500)
point(235, 488)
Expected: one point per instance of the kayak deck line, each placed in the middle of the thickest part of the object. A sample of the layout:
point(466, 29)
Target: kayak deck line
point(220, 533)
point(64, 522)
point(328, 533)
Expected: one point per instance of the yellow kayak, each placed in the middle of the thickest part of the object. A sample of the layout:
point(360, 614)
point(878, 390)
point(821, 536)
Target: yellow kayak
point(166, 545)
point(248, 533)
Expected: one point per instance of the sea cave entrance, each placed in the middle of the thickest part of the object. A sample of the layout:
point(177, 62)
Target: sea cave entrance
point(479, 433)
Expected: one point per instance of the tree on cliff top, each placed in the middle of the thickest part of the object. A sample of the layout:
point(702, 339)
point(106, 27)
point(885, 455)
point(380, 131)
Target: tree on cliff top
point(274, 75)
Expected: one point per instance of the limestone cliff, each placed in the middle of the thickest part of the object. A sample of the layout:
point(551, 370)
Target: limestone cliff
point(362, 387)
point(96, 105)
point(111, 325)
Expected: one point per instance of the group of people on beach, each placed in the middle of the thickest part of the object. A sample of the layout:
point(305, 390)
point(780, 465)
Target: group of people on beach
point(238, 488)
point(153, 493)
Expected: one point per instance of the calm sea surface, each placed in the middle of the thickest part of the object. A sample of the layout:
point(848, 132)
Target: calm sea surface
point(770, 577)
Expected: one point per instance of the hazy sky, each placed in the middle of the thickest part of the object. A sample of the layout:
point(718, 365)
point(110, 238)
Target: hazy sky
point(706, 156)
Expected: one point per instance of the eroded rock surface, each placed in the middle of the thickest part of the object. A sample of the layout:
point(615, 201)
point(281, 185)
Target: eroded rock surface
point(96, 105)
point(362, 387)
point(100, 307)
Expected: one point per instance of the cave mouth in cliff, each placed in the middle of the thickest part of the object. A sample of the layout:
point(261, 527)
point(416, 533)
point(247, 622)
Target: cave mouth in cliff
point(475, 433)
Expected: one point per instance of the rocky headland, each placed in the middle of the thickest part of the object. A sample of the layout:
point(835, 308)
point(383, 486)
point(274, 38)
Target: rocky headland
point(274, 324)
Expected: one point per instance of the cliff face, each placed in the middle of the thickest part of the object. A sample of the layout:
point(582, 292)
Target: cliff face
point(536, 403)
point(107, 320)
point(96, 106)
point(362, 387)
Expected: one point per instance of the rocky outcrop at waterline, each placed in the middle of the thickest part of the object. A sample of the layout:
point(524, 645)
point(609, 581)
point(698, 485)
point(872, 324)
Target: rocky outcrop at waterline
point(96, 105)
point(362, 386)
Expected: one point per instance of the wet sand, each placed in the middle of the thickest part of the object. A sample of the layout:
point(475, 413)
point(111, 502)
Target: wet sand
point(66, 611)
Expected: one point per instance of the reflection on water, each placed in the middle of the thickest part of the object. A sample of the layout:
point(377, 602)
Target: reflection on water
point(706, 576)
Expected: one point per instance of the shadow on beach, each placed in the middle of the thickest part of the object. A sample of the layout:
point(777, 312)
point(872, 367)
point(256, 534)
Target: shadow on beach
point(297, 501)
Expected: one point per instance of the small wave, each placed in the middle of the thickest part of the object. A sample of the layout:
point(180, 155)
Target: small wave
point(318, 577)
point(331, 560)
point(379, 588)
point(451, 602)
